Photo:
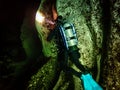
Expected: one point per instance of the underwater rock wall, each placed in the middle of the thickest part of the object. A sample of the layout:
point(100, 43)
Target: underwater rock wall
point(86, 17)
point(97, 23)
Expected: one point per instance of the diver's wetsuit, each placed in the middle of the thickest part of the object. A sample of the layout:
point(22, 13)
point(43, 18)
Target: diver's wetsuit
point(63, 53)
point(67, 45)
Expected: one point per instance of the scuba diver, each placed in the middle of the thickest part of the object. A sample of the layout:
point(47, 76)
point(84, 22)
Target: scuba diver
point(67, 44)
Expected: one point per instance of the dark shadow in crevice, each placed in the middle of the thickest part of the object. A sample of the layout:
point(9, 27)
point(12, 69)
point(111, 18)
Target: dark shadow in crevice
point(106, 22)
point(19, 81)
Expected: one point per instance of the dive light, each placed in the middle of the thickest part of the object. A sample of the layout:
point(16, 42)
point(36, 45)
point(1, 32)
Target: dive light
point(68, 34)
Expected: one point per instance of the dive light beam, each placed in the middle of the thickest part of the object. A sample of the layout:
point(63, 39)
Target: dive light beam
point(39, 17)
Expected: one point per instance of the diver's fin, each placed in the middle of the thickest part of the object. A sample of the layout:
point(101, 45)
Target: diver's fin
point(89, 83)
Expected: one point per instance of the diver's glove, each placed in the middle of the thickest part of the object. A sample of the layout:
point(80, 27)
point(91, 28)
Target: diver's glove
point(89, 83)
